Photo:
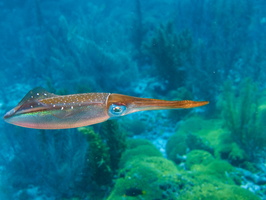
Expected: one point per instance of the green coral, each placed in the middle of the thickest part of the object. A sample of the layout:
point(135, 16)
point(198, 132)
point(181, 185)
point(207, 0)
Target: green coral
point(115, 139)
point(198, 157)
point(104, 152)
point(147, 173)
point(193, 133)
point(196, 133)
point(214, 181)
point(176, 147)
point(218, 192)
point(146, 176)
point(134, 143)
point(138, 149)
point(229, 150)
point(97, 159)
point(242, 116)
point(154, 177)
point(220, 170)
point(215, 172)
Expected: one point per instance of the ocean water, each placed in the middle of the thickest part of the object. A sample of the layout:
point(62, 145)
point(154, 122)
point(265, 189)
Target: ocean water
point(199, 50)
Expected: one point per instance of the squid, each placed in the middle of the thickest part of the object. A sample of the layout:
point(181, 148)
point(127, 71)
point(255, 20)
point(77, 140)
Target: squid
point(40, 109)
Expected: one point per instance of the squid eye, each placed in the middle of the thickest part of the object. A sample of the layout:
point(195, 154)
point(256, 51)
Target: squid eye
point(116, 110)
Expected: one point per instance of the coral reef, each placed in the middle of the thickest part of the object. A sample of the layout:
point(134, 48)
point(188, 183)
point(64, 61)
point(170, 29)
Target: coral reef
point(193, 133)
point(154, 177)
point(176, 147)
point(115, 139)
point(209, 135)
point(104, 152)
point(198, 157)
point(146, 176)
point(242, 118)
point(218, 192)
point(97, 158)
point(213, 179)
point(213, 169)
point(228, 149)
point(138, 149)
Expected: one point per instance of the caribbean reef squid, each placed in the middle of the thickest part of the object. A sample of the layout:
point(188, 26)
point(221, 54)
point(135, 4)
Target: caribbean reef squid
point(40, 109)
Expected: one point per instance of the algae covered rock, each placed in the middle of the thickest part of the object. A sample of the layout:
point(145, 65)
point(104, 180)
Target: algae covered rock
point(218, 192)
point(196, 133)
point(215, 172)
point(145, 174)
point(133, 143)
point(214, 181)
point(148, 178)
point(176, 147)
point(231, 151)
point(198, 157)
point(138, 149)
point(193, 133)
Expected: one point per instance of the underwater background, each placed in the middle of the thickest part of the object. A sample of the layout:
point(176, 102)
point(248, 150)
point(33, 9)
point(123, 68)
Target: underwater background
point(166, 49)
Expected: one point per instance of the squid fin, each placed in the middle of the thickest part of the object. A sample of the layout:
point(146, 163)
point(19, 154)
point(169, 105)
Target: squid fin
point(35, 94)
point(31, 99)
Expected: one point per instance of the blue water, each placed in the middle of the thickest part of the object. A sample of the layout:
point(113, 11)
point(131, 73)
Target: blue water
point(197, 50)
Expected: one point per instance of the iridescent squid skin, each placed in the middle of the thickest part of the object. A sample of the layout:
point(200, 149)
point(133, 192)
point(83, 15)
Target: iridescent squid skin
point(40, 109)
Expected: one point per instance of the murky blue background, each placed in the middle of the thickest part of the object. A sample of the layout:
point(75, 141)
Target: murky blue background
point(173, 50)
